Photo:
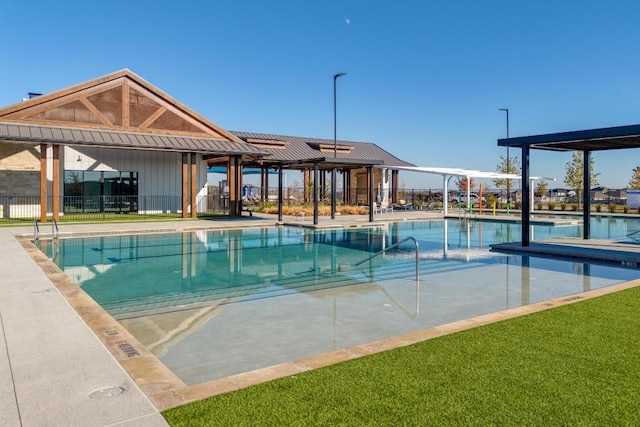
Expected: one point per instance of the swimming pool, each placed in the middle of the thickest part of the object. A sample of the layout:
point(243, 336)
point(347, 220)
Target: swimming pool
point(210, 304)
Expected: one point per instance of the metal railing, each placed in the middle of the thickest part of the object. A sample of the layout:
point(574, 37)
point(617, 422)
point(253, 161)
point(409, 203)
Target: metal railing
point(55, 231)
point(417, 278)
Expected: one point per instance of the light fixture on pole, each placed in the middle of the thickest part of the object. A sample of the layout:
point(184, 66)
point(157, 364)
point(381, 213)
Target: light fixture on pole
point(506, 110)
point(335, 149)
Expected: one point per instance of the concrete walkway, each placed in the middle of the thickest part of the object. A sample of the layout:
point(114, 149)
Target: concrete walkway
point(53, 369)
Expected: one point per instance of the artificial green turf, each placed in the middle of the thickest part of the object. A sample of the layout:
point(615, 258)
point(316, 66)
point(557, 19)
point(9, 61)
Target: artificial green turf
point(572, 365)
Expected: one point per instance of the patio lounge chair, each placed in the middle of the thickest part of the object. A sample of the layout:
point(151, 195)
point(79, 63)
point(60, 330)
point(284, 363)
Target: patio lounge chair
point(377, 208)
point(403, 205)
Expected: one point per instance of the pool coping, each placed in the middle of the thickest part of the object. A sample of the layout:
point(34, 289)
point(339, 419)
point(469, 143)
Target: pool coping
point(165, 390)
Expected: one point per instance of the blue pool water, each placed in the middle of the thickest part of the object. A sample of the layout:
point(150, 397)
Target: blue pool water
point(213, 303)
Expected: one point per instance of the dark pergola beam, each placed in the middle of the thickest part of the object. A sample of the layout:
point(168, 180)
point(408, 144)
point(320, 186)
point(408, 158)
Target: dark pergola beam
point(611, 138)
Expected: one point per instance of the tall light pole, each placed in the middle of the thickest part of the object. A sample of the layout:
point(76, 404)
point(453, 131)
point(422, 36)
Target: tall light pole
point(335, 148)
point(506, 110)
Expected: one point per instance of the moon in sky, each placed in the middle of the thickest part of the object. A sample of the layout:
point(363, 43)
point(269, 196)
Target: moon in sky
point(347, 20)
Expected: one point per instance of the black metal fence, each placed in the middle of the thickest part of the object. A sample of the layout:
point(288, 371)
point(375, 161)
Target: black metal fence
point(101, 208)
point(91, 208)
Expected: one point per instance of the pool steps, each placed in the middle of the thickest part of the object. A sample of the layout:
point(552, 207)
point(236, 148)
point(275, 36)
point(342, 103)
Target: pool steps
point(307, 281)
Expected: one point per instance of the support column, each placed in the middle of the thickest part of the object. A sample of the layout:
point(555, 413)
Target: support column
point(264, 189)
point(586, 196)
point(333, 193)
point(315, 194)
point(445, 195)
point(370, 185)
point(43, 182)
point(185, 185)
point(525, 196)
point(266, 183)
point(346, 185)
point(234, 179)
point(56, 183)
point(194, 186)
point(394, 184)
point(306, 179)
point(323, 184)
point(280, 193)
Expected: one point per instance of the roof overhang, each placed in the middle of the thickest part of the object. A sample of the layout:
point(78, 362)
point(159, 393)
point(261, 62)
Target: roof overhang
point(322, 162)
point(98, 138)
point(612, 138)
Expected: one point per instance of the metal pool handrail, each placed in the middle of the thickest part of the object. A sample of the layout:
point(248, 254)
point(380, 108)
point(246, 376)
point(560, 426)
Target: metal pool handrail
point(54, 229)
point(395, 245)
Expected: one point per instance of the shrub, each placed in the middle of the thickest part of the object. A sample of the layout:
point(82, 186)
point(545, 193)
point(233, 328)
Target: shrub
point(551, 206)
point(517, 204)
point(574, 207)
point(491, 199)
point(612, 207)
point(625, 209)
point(563, 206)
point(598, 208)
point(539, 206)
point(353, 210)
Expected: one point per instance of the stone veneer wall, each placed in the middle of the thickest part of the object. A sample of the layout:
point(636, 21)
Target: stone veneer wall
point(19, 170)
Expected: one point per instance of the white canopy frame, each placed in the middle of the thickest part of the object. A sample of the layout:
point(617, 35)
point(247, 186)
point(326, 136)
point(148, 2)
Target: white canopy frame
point(467, 174)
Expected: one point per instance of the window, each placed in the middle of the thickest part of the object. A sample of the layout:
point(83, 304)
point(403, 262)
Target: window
point(100, 191)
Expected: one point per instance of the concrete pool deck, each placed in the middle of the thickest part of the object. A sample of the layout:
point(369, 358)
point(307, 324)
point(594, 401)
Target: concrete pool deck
point(63, 362)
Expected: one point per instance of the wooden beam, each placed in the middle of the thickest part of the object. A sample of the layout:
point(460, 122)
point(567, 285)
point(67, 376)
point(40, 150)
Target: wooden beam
point(153, 117)
point(56, 183)
point(125, 105)
point(185, 184)
point(194, 185)
point(96, 112)
point(234, 180)
point(43, 182)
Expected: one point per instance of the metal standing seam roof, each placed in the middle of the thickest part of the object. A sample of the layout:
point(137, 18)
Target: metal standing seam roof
point(31, 133)
point(302, 148)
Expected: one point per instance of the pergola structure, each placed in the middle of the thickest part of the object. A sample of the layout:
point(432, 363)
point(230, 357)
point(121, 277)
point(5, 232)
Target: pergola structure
point(326, 164)
point(612, 138)
point(316, 157)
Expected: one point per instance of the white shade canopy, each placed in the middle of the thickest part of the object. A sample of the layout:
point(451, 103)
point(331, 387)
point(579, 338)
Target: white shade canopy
point(471, 173)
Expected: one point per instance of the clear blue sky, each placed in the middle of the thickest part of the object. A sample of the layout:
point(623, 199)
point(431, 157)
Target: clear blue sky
point(425, 78)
